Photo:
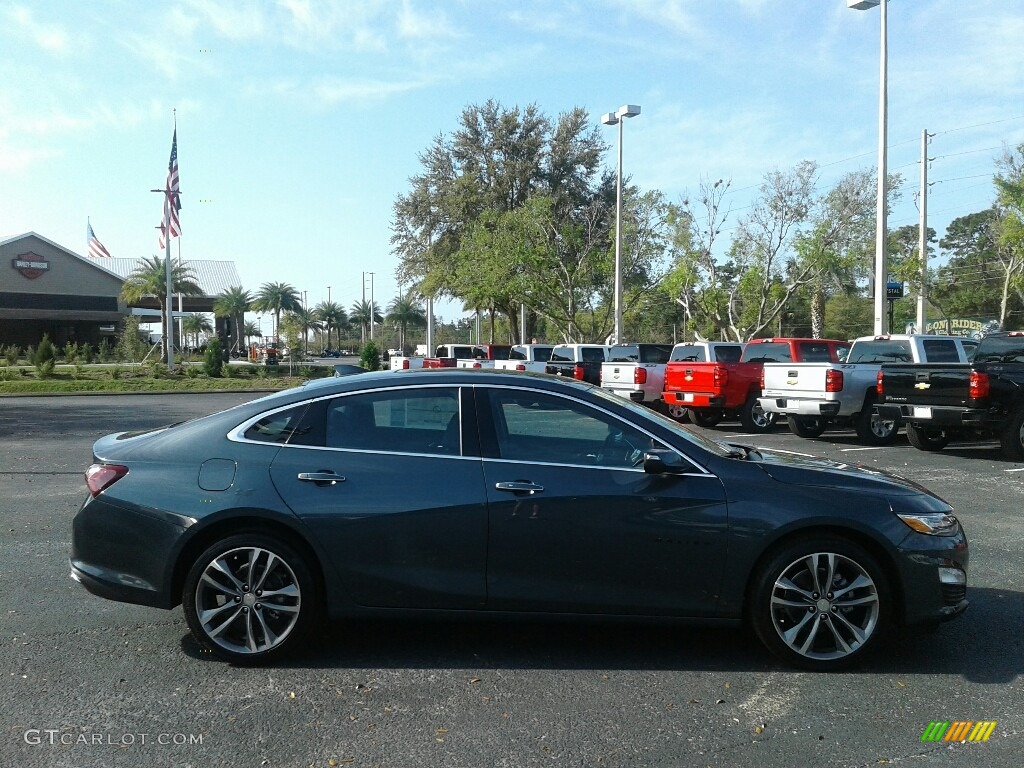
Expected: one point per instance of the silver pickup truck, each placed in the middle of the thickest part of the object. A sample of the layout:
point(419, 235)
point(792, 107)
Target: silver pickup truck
point(814, 395)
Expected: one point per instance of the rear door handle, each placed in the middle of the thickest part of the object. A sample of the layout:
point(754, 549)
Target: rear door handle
point(520, 486)
point(323, 477)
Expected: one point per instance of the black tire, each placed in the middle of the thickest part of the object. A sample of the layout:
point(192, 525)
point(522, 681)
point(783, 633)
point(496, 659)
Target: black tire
point(1011, 440)
point(815, 621)
point(259, 627)
point(754, 418)
point(706, 417)
point(678, 412)
point(927, 438)
point(872, 429)
point(807, 426)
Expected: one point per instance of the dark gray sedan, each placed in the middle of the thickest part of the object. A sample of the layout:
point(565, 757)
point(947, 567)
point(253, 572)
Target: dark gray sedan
point(478, 493)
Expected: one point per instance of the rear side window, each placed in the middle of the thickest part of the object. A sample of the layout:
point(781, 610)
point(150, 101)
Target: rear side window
point(426, 421)
point(592, 354)
point(768, 352)
point(562, 354)
point(655, 353)
point(941, 351)
point(815, 352)
point(301, 425)
point(729, 354)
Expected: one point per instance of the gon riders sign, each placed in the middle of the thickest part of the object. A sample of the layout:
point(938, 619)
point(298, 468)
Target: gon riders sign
point(30, 265)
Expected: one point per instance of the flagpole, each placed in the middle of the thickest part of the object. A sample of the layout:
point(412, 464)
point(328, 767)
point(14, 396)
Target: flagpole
point(181, 309)
point(167, 264)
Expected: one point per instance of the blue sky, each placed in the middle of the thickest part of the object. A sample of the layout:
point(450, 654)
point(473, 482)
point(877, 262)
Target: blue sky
point(300, 122)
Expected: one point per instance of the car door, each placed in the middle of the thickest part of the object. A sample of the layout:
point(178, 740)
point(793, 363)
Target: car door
point(395, 496)
point(576, 526)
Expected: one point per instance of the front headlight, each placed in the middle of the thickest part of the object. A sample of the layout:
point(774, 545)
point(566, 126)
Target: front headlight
point(931, 523)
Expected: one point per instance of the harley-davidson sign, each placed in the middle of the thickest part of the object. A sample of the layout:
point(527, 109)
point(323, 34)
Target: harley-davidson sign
point(31, 265)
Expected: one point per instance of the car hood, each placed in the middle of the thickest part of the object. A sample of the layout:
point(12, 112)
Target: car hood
point(801, 469)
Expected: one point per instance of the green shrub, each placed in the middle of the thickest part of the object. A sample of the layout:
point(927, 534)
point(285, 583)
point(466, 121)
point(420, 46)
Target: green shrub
point(213, 360)
point(105, 352)
point(11, 354)
point(370, 357)
point(70, 352)
point(45, 358)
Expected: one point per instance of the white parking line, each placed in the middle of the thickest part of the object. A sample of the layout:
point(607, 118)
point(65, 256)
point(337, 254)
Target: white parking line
point(868, 448)
point(1019, 469)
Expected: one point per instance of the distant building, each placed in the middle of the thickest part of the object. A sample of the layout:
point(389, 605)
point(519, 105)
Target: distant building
point(47, 288)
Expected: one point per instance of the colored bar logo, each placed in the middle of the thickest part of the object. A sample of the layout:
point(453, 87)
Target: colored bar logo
point(958, 730)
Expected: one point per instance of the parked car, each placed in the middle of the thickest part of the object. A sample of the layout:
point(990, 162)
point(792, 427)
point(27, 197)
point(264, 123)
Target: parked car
point(546, 497)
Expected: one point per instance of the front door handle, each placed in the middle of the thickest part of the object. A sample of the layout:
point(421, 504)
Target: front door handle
point(323, 477)
point(520, 486)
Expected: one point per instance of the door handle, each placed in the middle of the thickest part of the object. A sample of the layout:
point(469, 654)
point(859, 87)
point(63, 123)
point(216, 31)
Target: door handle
point(520, 486)
point(323, 477)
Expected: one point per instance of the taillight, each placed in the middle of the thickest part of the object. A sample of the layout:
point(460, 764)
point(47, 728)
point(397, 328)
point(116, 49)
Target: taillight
point(520, 366)
point(577, 372)
point(878, 384)
point(99, 477)
point(639, 375)
point(721, 377)
point(477, 365)
point(762, 379)
point(978, 387)
point(833, 380)
point(405, 365)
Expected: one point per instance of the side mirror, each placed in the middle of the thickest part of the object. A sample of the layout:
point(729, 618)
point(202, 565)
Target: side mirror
point(661, 461)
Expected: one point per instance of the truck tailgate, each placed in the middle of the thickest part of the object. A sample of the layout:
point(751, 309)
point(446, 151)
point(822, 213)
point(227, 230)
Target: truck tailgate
point(928, 384)
point(795, 379)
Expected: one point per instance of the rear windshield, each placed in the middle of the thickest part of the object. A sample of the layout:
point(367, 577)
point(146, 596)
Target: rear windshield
point(688, 353)
point(641, 353)
point(769, 352)
point(1000, 349)
point(882, 351)
point(562, 354)
point(541, 354)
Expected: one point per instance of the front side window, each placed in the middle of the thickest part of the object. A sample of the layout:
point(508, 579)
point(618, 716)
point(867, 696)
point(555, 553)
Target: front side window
point(538, 427)
point(398, 421)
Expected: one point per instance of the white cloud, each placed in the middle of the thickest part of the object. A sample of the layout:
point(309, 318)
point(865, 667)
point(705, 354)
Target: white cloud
point(415, 25)
point(49, 37)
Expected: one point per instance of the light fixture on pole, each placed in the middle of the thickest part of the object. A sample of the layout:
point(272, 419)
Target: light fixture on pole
point(616, 118)
point(881, 225)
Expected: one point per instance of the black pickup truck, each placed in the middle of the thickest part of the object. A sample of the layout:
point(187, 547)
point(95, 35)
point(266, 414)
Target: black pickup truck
point(938, 402)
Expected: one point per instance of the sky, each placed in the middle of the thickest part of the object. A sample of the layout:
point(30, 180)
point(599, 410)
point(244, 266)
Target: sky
point(300, 122)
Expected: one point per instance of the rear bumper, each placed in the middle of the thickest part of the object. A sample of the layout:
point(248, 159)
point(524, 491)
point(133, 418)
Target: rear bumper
point(795, 406)
point(694, 399)
point(935, 415)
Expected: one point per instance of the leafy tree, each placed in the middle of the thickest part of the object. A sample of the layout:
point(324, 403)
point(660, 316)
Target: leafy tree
point(276, 298)
point(251, 329)
point(233, 303)
point(405, 311)
point(970, 283)
point(130, 347)
point(1010, 238)
point(149, 279)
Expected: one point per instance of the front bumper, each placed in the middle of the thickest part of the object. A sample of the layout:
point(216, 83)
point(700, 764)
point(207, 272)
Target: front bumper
point(930, 596)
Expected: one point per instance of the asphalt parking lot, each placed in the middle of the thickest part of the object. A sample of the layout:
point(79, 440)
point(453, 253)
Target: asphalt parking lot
point(89, 682)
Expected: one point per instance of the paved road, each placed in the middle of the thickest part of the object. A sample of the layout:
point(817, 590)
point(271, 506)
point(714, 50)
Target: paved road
point(88, 682)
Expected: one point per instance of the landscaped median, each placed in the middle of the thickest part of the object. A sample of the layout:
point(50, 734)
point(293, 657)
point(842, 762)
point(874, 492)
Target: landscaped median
point(152, 379)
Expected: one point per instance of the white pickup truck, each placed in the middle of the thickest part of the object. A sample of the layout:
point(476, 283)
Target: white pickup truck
point(526, 357)
point(637, 372)
point(814, 395)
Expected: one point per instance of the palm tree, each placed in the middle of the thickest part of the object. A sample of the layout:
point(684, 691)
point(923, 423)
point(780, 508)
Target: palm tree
point(306, 320)
point(332, 315)
point(405, 311)
point(361, 313)
point(250, 329)
point(233, 304)
point(194, 325)
point(276, 297)
point(149, 278)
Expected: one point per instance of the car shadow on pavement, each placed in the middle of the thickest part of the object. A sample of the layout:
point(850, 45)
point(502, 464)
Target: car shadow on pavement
point(984, 646)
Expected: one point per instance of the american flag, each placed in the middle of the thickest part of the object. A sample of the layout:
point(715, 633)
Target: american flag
point(172, 195)
point(96, 248)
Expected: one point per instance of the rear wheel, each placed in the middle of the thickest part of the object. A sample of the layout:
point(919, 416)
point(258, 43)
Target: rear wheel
point(1012, 438)
point(250, 598)
point(755, 418)
point(678, 412)
point(820, 603)
point(705, 417)
point(806, 426)
point(872, 429)
point(927, 438)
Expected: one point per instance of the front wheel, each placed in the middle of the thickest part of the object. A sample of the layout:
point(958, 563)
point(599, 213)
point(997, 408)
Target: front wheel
point(250, 598)
point(927, 438)
point(806, 426)
point(820, 603)
point(1012, 438)
point(755, 418)
point(872, 429)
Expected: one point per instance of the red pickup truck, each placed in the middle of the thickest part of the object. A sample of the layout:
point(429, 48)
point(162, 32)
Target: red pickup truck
point(714, 391)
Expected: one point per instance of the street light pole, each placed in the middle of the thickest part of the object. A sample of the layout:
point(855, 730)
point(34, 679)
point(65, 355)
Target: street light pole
point(616, 118)
point(881, 224)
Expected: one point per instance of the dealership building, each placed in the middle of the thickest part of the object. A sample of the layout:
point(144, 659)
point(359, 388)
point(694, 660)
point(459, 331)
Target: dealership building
point(47, 288)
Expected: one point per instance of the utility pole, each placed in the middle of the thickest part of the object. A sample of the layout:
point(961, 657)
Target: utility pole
point(922, 241)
